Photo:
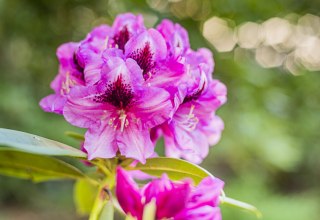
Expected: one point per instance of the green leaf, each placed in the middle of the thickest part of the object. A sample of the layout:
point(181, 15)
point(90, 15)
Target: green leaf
point(84, 196)
point(176, 169)
point(35, 167)
point(37, 145)
point(241, 205)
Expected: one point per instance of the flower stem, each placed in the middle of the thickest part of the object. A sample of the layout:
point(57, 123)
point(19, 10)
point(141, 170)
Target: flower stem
point(103, 197)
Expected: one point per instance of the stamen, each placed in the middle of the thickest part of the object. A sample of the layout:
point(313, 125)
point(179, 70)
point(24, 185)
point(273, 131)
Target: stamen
point(191, 121)
point(66, 85)
point(111, 120)
point(191, 115)
point(127, 123)
point(123, 120)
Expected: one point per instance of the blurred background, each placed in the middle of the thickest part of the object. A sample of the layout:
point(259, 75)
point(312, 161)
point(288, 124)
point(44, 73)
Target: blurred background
point(267, 53)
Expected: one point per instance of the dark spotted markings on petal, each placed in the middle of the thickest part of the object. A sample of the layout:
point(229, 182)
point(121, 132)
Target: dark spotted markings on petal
point(117, 93)
point(144, 59)
point(195, 95)
point(122, 37)
point(80, 74)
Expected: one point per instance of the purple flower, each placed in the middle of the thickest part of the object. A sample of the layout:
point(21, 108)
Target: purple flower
point(173, 200)
point(194, 126)
point(176, 38)
point(70, 75)
point(125, 83)
point(118, 111)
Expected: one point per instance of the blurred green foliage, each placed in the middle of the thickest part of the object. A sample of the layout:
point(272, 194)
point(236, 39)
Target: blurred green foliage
point(269, 152)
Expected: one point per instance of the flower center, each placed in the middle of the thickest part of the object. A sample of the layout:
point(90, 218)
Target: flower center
point(117, 93)
point(143, 57)
point(195, 95)
point(79, 75)
point(122, 38)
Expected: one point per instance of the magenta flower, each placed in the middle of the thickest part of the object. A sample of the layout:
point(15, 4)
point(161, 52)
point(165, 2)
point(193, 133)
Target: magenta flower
point(173, 200)
point(194, 126)
point(70, 75)
point(118, 111)
point(176, 37)
point(125, 83)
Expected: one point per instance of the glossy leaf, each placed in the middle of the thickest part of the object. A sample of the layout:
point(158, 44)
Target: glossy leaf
point(84, 196)
point(176, 169)
point(241, 205)
point(35, 167)
point(38, 145)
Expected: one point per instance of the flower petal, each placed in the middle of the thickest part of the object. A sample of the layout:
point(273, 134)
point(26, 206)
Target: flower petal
point(81, 110)
point(53, 103)
point(89, 53)
point(153, 107)
point(99, 141)
point(92, 70)
point(206, 193)
point(125, 26)
point(176, 37)
point(212, 128)
point(170, 197)
point(203, 201)
point(134, 142)
point(70, 73)
point(65, 53)
point(193, 145)
point(200, 213)
point(146, 49)
point(203, 58)
point(95, 43)
point(214, 96)
point(129, 70)
point(128, 194)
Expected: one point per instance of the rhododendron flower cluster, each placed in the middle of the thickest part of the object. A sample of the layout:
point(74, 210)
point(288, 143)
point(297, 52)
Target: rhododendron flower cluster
point(129, 85)
point(172, 200)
